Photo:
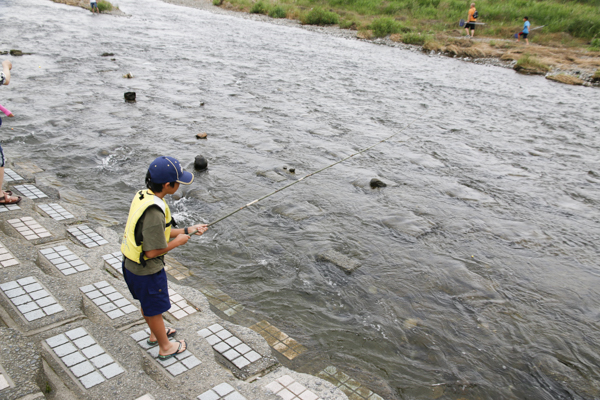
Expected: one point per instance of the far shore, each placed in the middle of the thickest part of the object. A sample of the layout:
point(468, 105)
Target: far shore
point(565, 64)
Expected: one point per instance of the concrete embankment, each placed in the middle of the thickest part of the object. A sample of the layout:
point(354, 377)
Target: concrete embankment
point(71, 330)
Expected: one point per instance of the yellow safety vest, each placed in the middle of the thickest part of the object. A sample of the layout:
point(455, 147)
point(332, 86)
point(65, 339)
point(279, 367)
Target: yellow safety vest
point(140, 203)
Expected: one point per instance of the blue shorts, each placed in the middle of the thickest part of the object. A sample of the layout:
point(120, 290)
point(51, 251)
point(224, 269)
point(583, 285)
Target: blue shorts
point(151, 290)
point(94, 5)
point(1, 155)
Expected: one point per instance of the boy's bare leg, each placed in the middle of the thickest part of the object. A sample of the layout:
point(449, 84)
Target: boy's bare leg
point(157, 327)
point(6, 67)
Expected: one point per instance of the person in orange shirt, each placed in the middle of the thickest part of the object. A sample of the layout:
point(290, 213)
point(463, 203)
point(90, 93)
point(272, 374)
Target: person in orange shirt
point(471, 21)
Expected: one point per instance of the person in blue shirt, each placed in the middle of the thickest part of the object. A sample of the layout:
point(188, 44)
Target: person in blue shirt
point(525, 31)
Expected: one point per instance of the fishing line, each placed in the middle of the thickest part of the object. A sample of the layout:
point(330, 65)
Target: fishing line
point(316, 172)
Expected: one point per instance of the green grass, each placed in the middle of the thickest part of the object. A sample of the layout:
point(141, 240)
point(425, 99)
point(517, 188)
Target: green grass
point(277, 12)
point(385, 26)
point(260, 7)
point(529, 62)
point(104, 5)
point(319, 16)
point(414, 38)
point(595, 44)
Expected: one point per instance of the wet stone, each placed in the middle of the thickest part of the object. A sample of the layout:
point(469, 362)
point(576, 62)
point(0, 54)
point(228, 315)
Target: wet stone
point(30, 191)
point(176, 365)
point(64, 260)
point(56, 211)
point(278, 340)
point(30, 298)
point(86, 359)
point(352, 388)
point(230, 346)
point(347, 264)
point(87, 236)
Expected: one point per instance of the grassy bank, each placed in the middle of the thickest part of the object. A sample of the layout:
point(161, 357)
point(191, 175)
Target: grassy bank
point(568, 22)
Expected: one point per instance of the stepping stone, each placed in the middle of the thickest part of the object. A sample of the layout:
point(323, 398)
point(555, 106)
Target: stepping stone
point(229, 346)
point(147, 396)
point(29, 167)
point(176, 365)
point(178, 272)
point(56, 211)
point(84, 357)
point(278, 340)
point(87, 236)
point(108, 299)
point(64, 260)
point(30, 298)
point(179, 306)
point(221, 300)
point(352, 388)
point(6, 257)
point(221, 391)
point(9, 207)
point(11, 176)
point(114, 260)
point(30, 191)
point(287, 388)
point(29, 228)
point(4, 383)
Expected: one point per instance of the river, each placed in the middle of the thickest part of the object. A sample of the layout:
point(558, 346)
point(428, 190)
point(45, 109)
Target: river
point(479, 273)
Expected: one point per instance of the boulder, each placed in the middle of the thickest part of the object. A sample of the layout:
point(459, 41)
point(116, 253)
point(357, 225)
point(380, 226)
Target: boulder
point(377, 183)
point(107, 55)
point(200, 162)
point(202, 135)
point(292, 170)
point(130, 96)
point(16, 53)
point(128, 75)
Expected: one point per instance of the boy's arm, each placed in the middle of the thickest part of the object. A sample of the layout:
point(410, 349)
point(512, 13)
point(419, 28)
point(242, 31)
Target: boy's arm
point(5, 111)
point(6, 67)
point(199, 228)
point(178, 241)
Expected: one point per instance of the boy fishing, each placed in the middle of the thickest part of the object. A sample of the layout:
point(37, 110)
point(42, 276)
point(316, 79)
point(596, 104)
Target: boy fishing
point(6, 196)
point(525, 31)
point(146, 240)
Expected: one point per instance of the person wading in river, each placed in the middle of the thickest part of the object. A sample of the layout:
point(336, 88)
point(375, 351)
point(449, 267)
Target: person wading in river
point(6, 196)
point(146, 240)
point(471, 19)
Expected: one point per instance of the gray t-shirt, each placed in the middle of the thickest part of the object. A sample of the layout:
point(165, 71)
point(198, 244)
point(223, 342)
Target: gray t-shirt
point(150, 230)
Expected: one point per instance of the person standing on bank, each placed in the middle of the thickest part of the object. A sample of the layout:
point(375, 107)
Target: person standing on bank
point(471, 19)
point(146, 240)
point(525, 31)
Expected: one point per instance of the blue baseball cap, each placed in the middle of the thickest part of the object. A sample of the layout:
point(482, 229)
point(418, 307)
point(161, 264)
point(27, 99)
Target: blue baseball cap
point(168, 169)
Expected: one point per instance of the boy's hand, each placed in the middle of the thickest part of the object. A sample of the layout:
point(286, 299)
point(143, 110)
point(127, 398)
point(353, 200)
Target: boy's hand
point(182, 238)
point(200, 229)
point(11, 115)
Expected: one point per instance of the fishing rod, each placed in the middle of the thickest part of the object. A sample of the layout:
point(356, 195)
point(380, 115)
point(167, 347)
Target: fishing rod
point(312, 173)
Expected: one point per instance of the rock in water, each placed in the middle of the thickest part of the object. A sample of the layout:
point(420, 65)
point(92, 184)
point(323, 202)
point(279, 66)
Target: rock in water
point(377, 183)
point(128, 75)
point(16, 53)
point(292, 170)
point(107, 55)
point(202, 135)
point(200, 162)
point(345, 263)
point(130, 96)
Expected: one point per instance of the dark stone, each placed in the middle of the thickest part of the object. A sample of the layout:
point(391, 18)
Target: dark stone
point(104, 153)
point(16, 53)
point(285, 167)
point(200, 162)
point(201, 104)
point(292, 170)
point(107, 55)
point(202, 135)
point(129, 96)
point(377, 183)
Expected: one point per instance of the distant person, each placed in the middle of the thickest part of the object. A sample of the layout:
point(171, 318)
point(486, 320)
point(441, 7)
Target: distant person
point(146, 240)
point(471, 19)
point(94, 6)
point(525, 31)
point(6, 196)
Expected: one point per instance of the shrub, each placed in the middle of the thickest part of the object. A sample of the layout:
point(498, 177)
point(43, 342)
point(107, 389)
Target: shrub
point(259, 8)
point(318, 16)
point(277, 12)
point(348, 24)
point(385, 26)
point(104, 5)
point(218, 2)
point(595, 44)
point(414, 38)
point(526, 61)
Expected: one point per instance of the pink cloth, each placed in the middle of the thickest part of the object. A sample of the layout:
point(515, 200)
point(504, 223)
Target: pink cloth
point(4, 110)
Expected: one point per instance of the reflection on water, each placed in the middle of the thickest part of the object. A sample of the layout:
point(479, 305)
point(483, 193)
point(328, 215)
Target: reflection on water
point(478, 274)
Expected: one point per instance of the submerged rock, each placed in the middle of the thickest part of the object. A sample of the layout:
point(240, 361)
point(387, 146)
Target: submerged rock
point(200, 162)
point(130, 96)
point(107, 54)
point(16, 52)
point(347, 264)
point(292, 170)
point(377, 183)
point(202, 135)
point(128, 75)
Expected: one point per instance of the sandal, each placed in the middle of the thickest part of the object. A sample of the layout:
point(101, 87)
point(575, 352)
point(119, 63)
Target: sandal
point(179, 351)
point(8, 199)
point(170, 333)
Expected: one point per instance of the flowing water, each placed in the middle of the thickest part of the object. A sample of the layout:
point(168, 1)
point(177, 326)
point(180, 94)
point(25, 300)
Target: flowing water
point(479, 275)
